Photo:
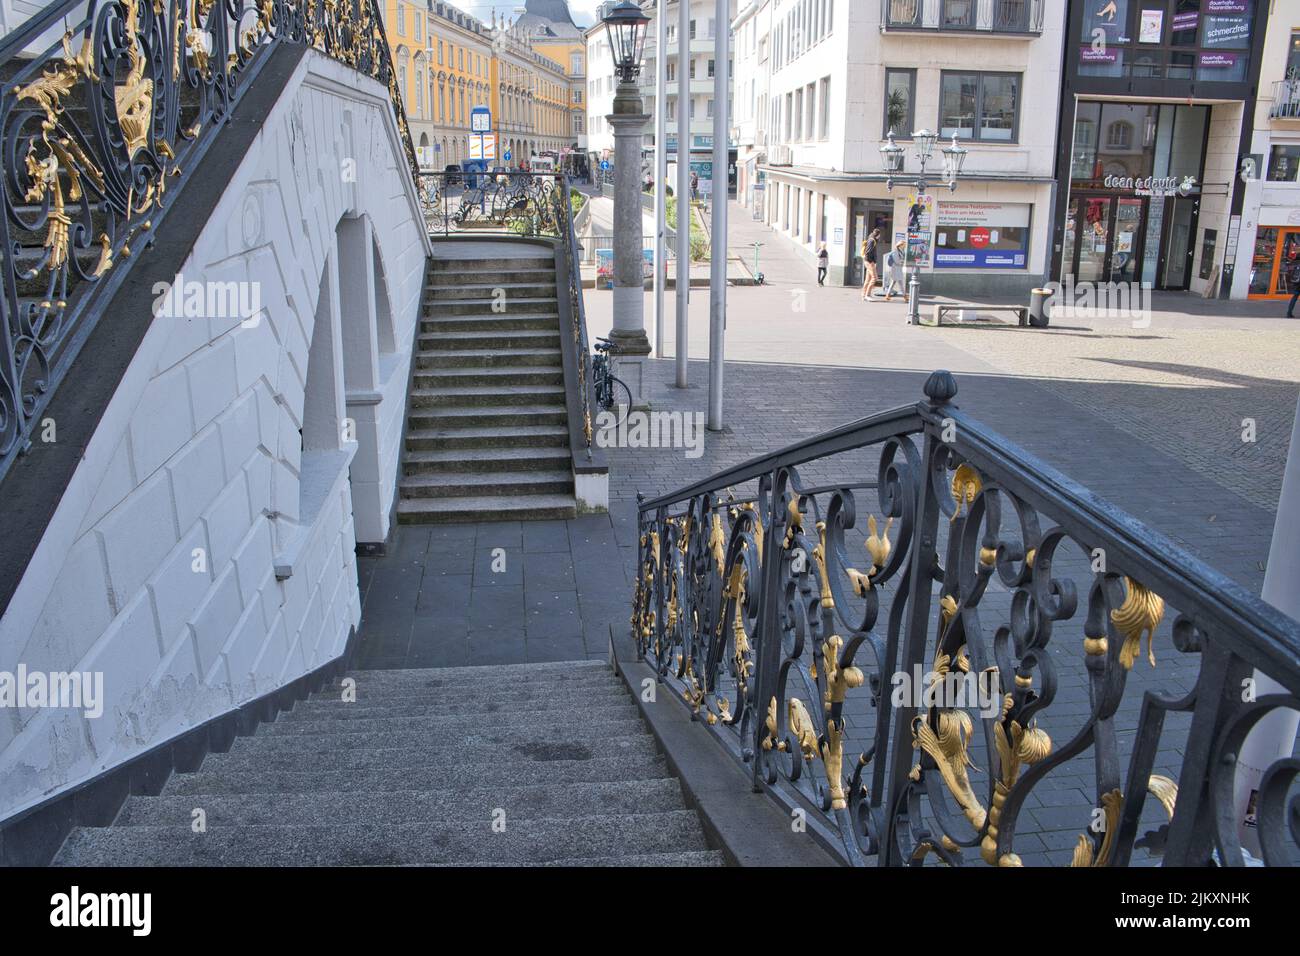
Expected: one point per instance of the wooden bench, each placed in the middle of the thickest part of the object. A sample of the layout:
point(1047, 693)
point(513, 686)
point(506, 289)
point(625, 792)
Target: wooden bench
point(1021, 312)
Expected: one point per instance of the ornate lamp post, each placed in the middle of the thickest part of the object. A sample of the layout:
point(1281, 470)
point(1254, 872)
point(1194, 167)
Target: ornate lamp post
point(625, 26)
point(894, 157)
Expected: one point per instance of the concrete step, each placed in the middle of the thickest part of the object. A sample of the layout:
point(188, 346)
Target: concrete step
point(475, 266)
point(488, 417)
point(481, 460)
point(426, 752)
point(480, 289)
point(556, 725)
point(440, 323)
point(558, 672)
point(491, 485)
point(446, 777)
point(652, 795)
point(374, 844)
point(510, 305)
point(478, 337)
point(487, 395)
point(533, 700)
point(442, 279)
point(528, 436)
point(644, 860)
point(489, 375)
point(486, 508)
point(478, 358)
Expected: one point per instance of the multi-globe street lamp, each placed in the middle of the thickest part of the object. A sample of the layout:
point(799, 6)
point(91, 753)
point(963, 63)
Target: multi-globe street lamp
point(625, 27)
point(894, 156)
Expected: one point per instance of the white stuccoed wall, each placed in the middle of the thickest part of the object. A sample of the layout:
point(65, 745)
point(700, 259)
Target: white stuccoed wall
point(200, 449)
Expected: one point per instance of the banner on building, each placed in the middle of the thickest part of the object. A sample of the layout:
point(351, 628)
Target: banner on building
point(982, 235)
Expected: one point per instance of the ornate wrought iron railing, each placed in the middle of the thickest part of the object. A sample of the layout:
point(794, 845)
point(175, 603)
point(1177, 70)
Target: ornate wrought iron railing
point(502, 201)
point(989, 614)
point(101, 128)
point(572, 253)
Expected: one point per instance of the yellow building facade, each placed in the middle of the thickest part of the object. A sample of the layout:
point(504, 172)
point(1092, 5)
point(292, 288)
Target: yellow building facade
point(448, 62)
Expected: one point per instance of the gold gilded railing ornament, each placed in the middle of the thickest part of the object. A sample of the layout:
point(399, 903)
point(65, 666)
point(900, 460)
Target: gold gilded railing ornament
point(1140, 613)
point(770, 742)
point(878, 545)
point(801, 725)
point(1017, 746)
point(966, 486)
point(1086, 851)
point(819, 556)
point(948, 747)
point(793, 524)
point(839, 680)
point(718, 543)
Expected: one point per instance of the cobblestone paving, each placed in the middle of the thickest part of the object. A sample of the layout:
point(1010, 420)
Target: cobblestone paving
point(1149, 419)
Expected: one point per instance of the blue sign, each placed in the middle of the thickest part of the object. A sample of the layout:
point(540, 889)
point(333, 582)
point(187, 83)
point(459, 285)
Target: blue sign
point(604, 164)
point(506, 157)
point(480, 120)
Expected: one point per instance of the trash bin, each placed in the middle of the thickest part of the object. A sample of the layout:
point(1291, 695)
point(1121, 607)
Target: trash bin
point(1040, 303)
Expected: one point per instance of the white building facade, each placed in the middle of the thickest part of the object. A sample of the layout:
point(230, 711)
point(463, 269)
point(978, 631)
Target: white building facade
point(1270, 225)
point(700, 66)
point(822, 82)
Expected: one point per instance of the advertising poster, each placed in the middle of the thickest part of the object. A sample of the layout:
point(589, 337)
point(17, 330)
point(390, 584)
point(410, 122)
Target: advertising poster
point(1152, 26)
point(978, 235)
point(920, 227)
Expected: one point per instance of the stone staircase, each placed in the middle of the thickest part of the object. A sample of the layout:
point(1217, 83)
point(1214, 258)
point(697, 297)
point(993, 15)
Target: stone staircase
point(487, 436)
point(416, 771)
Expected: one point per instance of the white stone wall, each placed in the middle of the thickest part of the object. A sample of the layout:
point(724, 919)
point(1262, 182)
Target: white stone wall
point(200, 557)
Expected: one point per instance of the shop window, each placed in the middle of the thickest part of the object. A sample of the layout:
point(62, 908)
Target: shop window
point(979, 106)
point(900, 95)
point(1284, 163)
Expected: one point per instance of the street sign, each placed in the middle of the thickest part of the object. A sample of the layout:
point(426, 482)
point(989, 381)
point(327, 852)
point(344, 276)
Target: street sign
point(483, 146)
point(604, 164)
point(480, 120)
point(507, 155)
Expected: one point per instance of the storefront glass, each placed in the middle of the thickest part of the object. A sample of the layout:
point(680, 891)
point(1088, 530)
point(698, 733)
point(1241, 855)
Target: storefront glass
point(1275, 249)
point(1201, 40)
point(1134, 192)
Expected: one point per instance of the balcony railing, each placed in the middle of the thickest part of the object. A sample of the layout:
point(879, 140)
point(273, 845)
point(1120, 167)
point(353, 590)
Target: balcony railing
point(100, 131)
point(1013, 17)
point(943, 602)
point(1286, 99)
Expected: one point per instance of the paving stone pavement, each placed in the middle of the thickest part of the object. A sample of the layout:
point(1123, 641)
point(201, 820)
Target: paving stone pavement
point(1149, 419)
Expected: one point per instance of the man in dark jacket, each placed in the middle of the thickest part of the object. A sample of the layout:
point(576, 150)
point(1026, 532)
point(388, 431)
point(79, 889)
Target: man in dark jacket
point(1293, 279)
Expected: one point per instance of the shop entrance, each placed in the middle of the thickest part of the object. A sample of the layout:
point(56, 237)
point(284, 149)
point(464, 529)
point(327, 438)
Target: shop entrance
point(1113, 238)
point(1275, 249)
point(1104, 237)
point(865, 215)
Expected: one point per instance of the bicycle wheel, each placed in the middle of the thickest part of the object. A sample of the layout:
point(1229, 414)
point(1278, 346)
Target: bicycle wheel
point(617, 399)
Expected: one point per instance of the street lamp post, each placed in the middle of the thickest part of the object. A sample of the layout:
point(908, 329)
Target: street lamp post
point(626, 25)
point(894, 156)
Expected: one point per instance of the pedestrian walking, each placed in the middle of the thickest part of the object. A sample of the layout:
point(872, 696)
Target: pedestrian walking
point(695, 186)
point(1293, 279)
point(870, 262)
point(823, 264)
point(894, 263)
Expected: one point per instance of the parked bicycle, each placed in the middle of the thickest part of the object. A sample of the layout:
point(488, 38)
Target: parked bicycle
point(612, 395)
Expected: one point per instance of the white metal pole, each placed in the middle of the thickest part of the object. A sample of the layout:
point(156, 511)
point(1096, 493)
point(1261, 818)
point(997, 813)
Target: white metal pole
point(661, 169)
point(681, 346)
point(718, 203)
point(1273, 738)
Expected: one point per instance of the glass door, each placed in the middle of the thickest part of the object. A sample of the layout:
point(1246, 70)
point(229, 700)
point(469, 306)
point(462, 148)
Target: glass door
point(1093, 227)
point(1275, 250)
point(1106, 240)
point(1178, 251)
